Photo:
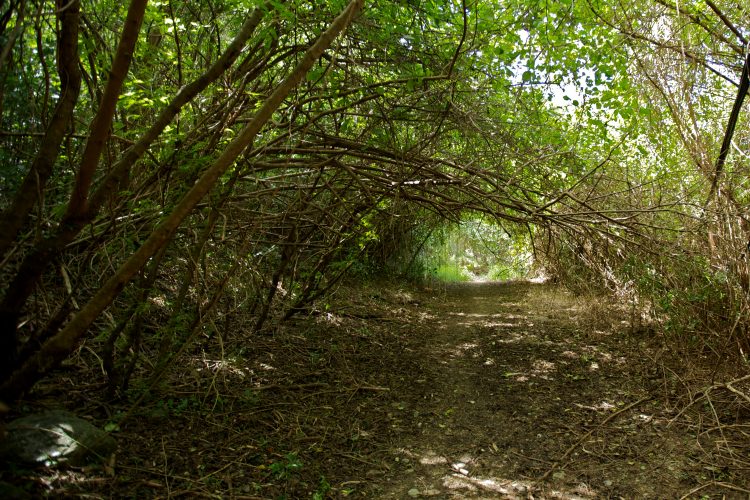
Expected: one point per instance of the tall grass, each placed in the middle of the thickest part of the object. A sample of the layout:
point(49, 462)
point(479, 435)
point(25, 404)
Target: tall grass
point(451, 273)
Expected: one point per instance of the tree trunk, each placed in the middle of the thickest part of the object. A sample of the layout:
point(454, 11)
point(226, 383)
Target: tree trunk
point(61, 345)
point(100, 125)
point(15, 216)
point(34, 264)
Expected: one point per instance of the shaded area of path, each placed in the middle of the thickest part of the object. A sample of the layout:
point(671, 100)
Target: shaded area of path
point(515, 384)
point(483, 390)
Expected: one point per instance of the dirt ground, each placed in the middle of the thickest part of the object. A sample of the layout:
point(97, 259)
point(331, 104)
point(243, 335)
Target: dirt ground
point(516, 388)
point(478, 390)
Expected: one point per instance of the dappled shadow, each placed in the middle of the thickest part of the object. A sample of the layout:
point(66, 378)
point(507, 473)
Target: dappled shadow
point(509, 382)
point(475, 391)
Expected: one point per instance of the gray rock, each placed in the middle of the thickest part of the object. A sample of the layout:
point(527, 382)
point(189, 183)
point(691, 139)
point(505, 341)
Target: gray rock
point(54, 437)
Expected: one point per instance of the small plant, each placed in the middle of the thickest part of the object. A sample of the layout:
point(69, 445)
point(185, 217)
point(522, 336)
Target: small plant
point(283, 469)
point(250, 398)
point(179, 406)
point(214, 482)
point(323, 488)
point(364, 331)
point(315, 357)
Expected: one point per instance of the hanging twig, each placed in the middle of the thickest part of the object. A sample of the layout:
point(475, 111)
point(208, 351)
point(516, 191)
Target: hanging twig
point(726, 144)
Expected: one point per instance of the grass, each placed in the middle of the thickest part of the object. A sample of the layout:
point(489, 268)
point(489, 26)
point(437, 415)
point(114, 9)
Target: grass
point(450, 273)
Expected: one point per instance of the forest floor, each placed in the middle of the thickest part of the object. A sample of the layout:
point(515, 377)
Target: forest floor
point(477, 390)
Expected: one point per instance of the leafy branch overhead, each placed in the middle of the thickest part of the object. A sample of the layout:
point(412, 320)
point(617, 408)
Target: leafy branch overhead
point(188, 160)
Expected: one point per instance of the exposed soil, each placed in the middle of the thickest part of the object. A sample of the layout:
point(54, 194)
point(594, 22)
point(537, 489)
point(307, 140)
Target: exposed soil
point(514, 389)
point(477, 390)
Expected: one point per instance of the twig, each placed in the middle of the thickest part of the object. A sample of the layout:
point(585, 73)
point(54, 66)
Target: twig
point(236, 461)
point(289, 387)
point(731, 388)
point(586, 436)
point(705, 392)
point(713, 483)
point(360, 459)
point(695, 490)
point(166, 468)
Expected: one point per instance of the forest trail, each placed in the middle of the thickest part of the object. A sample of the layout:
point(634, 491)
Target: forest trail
point(217, 216)
point(514, 383)
point(477, 390)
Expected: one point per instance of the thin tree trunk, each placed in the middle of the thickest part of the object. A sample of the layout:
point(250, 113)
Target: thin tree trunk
point(286, 258)
point(168, 332)
point(26, 278)
point(41, 169)
point(61, 345)
point(100, 125)
point(20, 8)
point(36, 261)
point(70, 86)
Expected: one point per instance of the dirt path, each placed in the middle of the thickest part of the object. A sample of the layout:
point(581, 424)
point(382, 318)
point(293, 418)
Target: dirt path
point(512, 386)
point(482, 390)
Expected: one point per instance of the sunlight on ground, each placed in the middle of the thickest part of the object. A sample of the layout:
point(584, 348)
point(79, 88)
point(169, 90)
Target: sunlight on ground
point(503, 326)
point(456, 475)
point(233, 368)
point(516, 337)
point(541, 366)
point(225, 366)
point(499, 326)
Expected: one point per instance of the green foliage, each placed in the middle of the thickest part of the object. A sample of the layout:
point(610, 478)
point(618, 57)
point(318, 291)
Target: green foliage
point(250, 398)
point(428, 141)
point(323, 488)
point(178, 406)
point(285, 468)
point(450, 273)
point(476, 249)
point(688, 295)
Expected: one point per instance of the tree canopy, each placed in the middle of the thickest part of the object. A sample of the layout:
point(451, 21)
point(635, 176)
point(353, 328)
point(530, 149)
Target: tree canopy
point(188, 160)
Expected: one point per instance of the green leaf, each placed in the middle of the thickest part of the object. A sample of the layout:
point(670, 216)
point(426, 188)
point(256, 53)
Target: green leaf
point(111, 427)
